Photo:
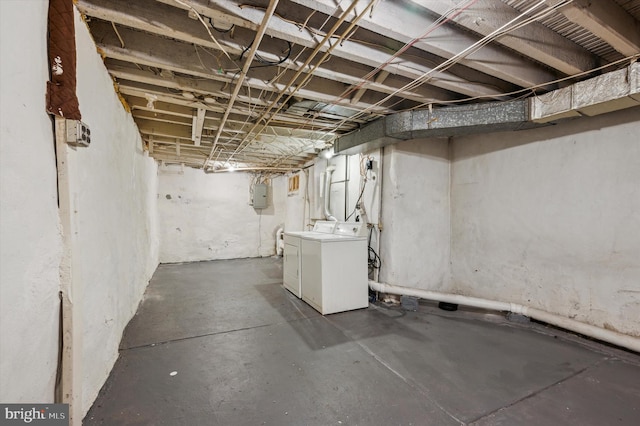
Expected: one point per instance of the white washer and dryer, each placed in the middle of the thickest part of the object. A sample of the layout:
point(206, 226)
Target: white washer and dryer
point(327, 267)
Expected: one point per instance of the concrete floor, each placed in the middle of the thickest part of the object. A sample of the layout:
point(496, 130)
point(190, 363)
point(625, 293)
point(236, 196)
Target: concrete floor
point(247, 352)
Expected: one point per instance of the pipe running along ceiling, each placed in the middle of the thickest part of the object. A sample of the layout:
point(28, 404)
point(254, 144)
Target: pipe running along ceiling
point(267, 84)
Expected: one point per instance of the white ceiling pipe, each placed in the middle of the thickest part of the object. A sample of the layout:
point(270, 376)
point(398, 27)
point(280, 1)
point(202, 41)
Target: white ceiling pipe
point(619, 339)
point(327, 193)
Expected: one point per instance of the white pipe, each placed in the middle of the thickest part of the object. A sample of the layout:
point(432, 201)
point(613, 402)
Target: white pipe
point(279, 241)
point(609, 336)
point(327, 193)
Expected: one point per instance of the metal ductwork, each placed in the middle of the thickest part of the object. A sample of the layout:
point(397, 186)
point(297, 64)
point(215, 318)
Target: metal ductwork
point(437, 123)
point(606, 93)
point(609, 92)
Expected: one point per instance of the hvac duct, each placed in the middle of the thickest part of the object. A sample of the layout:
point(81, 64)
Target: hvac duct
point(608, 92)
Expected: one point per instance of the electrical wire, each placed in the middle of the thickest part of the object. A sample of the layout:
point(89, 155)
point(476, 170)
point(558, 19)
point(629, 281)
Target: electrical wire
point(363, 175)
point(267, 62)
point(355, 208)
point(374, 260)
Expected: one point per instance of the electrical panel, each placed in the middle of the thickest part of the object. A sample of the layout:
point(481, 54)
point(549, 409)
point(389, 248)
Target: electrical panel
point(78, 133)
point(260, 196)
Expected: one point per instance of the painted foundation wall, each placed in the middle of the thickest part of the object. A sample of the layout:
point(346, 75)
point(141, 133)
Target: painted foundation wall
point(415, 238)
point(550, 218)
point(209, 216)
point(114, 187)
point(30, 238)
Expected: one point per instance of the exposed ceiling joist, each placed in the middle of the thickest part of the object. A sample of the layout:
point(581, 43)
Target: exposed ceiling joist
point(533, 40)
point(325, 68)
point(226, 11)
point(159, 21)
point(148, 50)
point(407, 21)
point(608, 21)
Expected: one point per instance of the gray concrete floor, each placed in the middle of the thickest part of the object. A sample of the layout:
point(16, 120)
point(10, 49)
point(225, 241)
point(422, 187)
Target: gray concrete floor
point(247, 352)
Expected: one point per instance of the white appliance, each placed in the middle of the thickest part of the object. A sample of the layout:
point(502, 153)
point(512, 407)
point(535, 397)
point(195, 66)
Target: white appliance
point(328, 269)
point(292, 278)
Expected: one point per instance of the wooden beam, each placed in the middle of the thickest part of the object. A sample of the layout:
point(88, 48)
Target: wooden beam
point(163, 20)
point(382, 75)
point(156, 116)
point(71, 285)
point(281, 119)
point(533, 40)
point(607, 20)
point(404, 23)
point(180, 57)
point(226, 11)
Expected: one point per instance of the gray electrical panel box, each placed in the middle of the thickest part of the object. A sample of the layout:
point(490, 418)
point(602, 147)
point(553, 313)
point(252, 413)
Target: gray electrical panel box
point(260, 196)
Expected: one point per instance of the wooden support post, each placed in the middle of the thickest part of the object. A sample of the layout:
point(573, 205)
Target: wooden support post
point(70, 389)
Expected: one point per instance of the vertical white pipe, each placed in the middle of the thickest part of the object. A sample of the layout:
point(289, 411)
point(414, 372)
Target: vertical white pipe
point(327, 193)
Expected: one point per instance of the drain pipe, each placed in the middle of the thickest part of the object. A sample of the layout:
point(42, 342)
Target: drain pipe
point(327, 193)
point(279, 241)
point(609, 336)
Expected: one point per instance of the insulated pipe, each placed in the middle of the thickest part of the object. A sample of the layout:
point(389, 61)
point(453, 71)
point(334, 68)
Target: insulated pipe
point(327, 193)
point(619, 339)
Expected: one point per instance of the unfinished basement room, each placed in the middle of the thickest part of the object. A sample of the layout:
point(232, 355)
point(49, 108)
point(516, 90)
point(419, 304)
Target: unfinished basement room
point(320, 212)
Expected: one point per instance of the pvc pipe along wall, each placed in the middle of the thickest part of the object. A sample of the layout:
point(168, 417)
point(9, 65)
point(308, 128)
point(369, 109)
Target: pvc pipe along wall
point(609, 336)
point(327, 193)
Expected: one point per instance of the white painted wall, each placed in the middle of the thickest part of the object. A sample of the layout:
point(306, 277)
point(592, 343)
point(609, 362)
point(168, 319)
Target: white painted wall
point(209, 216)
point(415, 238)
point(30, 239)
point(550, 218)
point(114, 184)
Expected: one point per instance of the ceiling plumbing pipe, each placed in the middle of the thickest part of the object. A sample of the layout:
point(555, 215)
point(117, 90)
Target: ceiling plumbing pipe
point(327, 193)
point(609, 336)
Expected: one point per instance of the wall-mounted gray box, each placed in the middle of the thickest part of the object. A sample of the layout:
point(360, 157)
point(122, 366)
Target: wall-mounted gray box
point(260, 196)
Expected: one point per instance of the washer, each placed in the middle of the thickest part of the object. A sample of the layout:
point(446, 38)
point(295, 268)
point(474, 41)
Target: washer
point(334, 275)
